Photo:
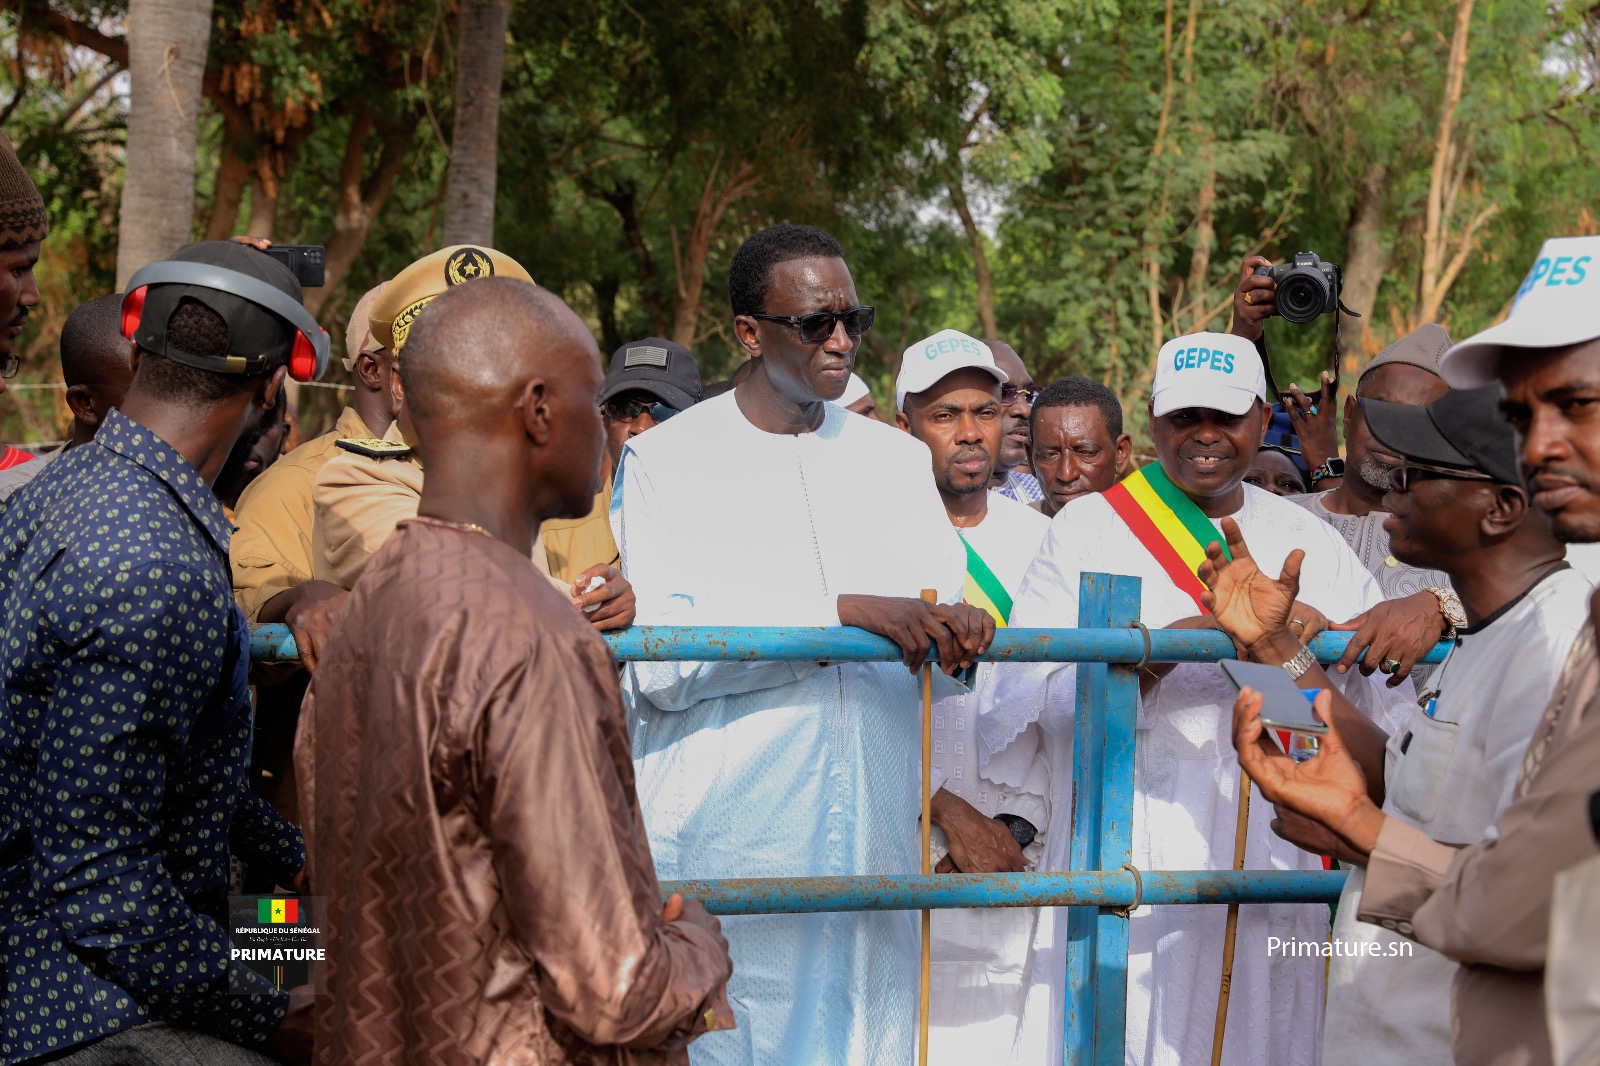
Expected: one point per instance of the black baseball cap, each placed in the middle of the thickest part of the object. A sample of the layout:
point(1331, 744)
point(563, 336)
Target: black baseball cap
point(1463, 429)
point(255, 334)
point(659, 367)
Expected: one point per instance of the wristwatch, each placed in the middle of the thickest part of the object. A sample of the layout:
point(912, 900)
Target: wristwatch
point(1333, 467)
point(1303, 660)
point(1022, 830)
point(1455, 616)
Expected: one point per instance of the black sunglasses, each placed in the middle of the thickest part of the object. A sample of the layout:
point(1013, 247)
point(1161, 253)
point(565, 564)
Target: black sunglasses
point(1010, 394)
point(1402, 477)
point(628, 409)
point(818, 326)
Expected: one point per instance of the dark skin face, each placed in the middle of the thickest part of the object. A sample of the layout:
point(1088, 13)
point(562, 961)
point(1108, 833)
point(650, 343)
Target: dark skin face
point(785, 390)
point(19, 294)
point(618, 433)
point(959, 420)
point(1073, 454)
point(375, 399)
point(1207, 453)
point(1015, 441)
point(1553, 402)
point(1367, 463)
point(1276, 473)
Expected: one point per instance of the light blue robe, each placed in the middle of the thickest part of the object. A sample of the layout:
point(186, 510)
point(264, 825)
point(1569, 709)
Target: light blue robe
point(783, 769)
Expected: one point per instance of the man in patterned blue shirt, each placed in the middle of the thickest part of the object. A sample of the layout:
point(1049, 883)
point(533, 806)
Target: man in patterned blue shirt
point(124, 714)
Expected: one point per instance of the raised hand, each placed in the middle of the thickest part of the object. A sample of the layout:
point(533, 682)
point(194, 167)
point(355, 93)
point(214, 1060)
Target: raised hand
point(1247, 604)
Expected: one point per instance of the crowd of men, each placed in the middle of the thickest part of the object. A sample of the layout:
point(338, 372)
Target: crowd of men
point(483, 803)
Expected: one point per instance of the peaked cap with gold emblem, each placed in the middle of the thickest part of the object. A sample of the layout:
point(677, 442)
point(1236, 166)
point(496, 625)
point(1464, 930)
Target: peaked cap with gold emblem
point(416, 286)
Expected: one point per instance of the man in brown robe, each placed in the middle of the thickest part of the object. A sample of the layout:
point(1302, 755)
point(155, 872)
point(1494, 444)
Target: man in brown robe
point(469, 799)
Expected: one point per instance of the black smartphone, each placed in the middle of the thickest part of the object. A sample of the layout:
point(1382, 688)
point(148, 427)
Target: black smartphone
point(1284, 705)
point(304, 262)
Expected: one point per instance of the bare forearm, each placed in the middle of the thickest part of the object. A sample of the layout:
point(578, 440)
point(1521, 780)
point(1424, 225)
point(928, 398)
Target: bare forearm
point(1364, 740)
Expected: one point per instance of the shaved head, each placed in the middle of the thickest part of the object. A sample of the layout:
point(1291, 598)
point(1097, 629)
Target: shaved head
point(498, 369)
point(95, 364)
point(93, 349)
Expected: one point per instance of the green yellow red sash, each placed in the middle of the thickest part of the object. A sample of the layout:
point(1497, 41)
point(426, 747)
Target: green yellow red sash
point(1171, 526)
point(983, 589)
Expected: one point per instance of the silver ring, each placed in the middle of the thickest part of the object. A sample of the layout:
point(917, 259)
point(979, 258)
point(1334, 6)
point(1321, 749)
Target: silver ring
point(1389, 666)
point(1297, 622)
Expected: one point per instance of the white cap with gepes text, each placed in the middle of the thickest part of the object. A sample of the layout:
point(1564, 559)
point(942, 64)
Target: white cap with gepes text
point(1217, 371)
point(928, 360)
point(1557, 305)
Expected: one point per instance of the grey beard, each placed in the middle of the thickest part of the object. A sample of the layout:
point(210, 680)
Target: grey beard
point(1375, 473)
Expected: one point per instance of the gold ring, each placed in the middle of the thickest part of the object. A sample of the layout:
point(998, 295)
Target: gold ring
point(1389, 666)
point(1249, 298)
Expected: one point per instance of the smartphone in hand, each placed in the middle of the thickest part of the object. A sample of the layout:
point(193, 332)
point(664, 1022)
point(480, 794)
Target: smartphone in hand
point(1284, 705)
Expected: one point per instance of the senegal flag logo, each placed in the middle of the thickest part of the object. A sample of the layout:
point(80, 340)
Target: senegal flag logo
point(277, 911)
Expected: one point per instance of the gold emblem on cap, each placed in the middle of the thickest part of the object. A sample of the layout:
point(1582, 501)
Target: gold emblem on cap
point(403, 321)
point(469, 264)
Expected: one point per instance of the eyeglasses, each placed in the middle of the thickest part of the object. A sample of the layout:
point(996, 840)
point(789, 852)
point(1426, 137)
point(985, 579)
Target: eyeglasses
point(10, 364)
point(628, 409)
point(1010, 394)
point(818, 326)
point(1403, 476)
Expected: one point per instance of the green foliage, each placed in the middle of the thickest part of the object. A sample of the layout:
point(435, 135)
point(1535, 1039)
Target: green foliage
point(1131, 153)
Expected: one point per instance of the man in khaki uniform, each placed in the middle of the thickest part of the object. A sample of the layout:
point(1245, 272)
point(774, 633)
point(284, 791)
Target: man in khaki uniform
point(271, 552)
point(371, 484)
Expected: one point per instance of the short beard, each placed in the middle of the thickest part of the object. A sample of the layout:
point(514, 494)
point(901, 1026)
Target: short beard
point(1375, 473)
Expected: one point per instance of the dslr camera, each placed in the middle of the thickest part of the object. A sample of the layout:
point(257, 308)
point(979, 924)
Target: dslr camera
point(1308, 287)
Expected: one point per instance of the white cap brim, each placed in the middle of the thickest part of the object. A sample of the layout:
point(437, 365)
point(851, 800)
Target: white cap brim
point(1211, 397)
point(1476, 361)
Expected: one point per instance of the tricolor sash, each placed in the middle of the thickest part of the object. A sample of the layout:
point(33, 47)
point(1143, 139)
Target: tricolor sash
point(982, 589)
point(1171, 526)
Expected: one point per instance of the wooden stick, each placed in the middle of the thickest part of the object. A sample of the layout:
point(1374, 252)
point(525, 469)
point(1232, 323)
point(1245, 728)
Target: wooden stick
point(1241, 829)
point(928, 596)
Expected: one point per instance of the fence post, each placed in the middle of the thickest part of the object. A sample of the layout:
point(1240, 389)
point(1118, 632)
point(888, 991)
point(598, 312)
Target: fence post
point(1102, 828)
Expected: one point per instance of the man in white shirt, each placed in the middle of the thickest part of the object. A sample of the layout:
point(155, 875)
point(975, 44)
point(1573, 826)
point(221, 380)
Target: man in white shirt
point(1456, 500)
point(948, 395)
point(1208, 417)
point(790, 769)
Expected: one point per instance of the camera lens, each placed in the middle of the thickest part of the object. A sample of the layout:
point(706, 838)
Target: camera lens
point(1301, 297)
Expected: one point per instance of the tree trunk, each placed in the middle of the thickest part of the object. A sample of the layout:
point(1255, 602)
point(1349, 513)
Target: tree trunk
point(480, 61)
point(232, 177)
point(690, 260)
point(624, 201)
point(1364, 264)
point(263, 204)
point(1435, 234)
point(605, 300)
point(980, 262)
point(167, 43)
point(360, 200)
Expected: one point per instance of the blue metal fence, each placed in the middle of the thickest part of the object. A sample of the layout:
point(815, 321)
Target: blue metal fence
point(1108, 646)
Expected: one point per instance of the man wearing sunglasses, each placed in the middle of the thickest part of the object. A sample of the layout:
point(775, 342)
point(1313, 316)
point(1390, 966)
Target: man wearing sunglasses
point(1208, 414)
point(648, 382)
point(1012, 476)
point(1455, 501)
point(773, 505)
point(1417, 599)
point(1483, 900)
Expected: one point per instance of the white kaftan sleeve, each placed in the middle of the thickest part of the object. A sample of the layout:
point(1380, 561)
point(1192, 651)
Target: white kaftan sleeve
point(651, 527)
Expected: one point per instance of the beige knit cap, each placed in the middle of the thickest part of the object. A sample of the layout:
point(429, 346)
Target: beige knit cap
point(22, 218)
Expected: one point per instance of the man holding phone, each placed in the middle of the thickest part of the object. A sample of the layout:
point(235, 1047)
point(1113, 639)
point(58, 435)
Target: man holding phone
point(1208, 416)
point(1456, 499)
